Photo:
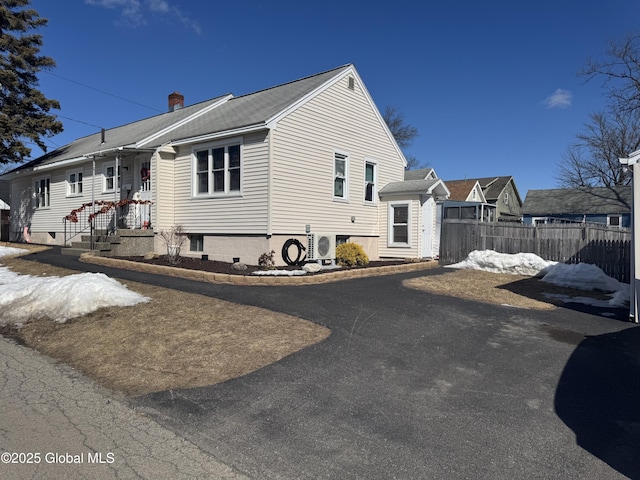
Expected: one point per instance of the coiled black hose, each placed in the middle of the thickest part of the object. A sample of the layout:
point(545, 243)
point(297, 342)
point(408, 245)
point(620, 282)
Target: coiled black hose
point(299, 258)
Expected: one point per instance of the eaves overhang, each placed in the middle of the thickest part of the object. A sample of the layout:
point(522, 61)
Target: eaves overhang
point(217, 135)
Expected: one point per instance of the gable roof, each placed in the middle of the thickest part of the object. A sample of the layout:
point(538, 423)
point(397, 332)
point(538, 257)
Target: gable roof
point(121, 136)
point(220, 116)
point(460, 189)
point(492, 187)
point(254, 109)
point(414, 187)
point(420, 174)
point(582, 201)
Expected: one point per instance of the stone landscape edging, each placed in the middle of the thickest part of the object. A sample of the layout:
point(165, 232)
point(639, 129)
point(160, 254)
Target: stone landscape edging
point(258, 280)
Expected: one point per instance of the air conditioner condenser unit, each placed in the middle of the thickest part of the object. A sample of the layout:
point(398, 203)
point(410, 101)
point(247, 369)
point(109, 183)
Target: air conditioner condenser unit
point(321, 246)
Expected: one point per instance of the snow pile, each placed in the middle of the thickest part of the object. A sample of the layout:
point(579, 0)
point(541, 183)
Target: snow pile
point(23, 297)
point(6, 251)
point(581, 276)
point(290, 273)
point(517, 264)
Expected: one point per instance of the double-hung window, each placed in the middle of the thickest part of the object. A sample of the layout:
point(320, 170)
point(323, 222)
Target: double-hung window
point(109, 177)
point(74, 183)
point(341, 175)
point(217, 170)
point(369, 181)
point(399, 220)
point(41, 190)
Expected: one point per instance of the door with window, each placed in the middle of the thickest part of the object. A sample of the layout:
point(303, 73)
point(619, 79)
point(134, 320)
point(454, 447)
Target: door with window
point(142, 192)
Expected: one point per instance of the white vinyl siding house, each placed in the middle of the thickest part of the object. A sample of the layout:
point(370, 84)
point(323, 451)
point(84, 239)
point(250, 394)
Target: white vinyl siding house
point(414, 206)
point(302, 160)
point(243, 174)
point(232, 212)
point(391, 247)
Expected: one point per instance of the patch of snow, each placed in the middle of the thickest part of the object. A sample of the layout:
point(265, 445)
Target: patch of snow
point(6, 251)
point(24, 297)
point(517, 264)
point(581, 276)
point(288, 273)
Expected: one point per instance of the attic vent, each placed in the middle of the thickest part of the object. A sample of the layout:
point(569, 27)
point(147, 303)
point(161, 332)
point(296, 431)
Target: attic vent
point(352, 83)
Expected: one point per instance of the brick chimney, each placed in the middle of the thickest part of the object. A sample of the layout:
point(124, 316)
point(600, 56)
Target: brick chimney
point(176, 101)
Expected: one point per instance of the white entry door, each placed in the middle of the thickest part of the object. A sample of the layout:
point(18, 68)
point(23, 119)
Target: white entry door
point(428, 221)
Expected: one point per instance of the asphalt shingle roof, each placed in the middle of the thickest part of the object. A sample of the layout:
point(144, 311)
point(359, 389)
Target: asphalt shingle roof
point(460, 189)
point(247, 110)
point(417, 174)
point(409, 186)
point(583, 201)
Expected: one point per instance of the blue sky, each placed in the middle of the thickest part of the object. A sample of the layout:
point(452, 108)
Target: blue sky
point(492, 86)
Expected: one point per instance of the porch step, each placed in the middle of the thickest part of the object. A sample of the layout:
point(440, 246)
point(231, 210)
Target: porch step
point(125, 242)
point(100, 239)
point(99, 246)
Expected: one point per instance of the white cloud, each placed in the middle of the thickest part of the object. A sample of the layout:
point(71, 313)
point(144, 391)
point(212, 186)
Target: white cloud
point(135, 13)
point(559, 99)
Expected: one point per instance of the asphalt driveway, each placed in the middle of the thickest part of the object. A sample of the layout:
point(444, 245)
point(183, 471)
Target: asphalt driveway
point(412, 385)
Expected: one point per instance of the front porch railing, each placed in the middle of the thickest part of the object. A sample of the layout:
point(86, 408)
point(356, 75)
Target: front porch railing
point(105, 218)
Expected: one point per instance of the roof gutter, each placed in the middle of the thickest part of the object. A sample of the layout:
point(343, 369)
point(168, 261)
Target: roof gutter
point(225, 133)
point(73, 161)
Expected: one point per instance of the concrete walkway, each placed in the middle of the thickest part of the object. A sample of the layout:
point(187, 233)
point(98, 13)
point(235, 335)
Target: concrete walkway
point(68, 429)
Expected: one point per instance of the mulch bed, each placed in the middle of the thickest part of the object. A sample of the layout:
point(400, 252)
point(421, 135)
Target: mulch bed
point(215, 266)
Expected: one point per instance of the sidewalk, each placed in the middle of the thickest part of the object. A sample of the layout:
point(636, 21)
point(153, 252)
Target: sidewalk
point(68, 429)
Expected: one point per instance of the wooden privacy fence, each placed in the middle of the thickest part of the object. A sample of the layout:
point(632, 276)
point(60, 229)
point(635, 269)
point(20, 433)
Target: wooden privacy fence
point(608, 248)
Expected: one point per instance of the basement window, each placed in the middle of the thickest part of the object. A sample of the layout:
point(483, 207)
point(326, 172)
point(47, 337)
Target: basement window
point(196, 243)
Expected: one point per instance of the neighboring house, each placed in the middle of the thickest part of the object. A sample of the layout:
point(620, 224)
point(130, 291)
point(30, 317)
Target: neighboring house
point(605, 205)
point(414, 214)
point(498, 191)
point(503, 193)
point(467, 201)
point(242, 175)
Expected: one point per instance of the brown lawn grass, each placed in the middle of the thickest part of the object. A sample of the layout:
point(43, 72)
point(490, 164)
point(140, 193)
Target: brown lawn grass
point(177, 340)
point(183, 340)
point(496, 288)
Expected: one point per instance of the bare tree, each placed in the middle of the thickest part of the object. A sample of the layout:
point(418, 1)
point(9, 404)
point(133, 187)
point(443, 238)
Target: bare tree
point(594, 159)
point(404, 133)
point(620, 71)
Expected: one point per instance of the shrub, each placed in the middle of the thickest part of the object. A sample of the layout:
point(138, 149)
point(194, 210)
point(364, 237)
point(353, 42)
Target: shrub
point(351, 254)
point(266, 260)
point(173, 238)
